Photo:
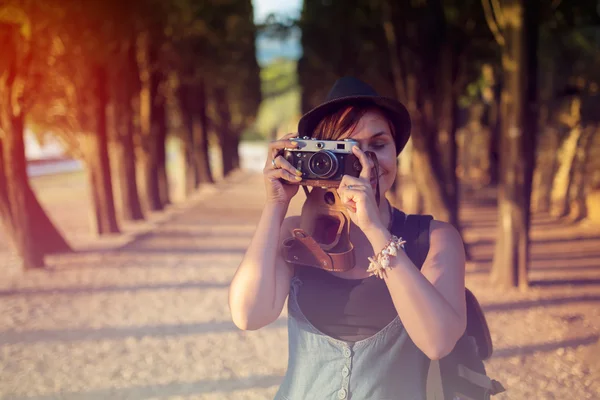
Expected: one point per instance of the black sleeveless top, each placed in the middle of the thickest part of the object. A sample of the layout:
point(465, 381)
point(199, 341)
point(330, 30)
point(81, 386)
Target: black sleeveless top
point(347, 309)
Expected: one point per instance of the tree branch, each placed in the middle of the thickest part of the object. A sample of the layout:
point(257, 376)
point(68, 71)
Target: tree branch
point(489, 17)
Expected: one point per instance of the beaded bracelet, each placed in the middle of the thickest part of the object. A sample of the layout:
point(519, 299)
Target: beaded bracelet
point(380, 263)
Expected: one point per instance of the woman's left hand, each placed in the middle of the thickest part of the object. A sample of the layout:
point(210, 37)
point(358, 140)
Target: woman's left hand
point(358, 196)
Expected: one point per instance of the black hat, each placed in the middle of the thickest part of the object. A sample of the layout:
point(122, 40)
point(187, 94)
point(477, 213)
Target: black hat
point(349, 90)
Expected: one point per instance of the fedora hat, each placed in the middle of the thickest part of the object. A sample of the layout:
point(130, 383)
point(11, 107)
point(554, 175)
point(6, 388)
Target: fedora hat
point(348, 91)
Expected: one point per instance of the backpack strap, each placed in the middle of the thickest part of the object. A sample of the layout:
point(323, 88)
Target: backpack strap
point(416, 233)
point(415, 230)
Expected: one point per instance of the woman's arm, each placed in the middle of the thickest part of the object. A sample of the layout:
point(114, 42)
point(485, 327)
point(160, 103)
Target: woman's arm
point(431, 302)
point(261, 283)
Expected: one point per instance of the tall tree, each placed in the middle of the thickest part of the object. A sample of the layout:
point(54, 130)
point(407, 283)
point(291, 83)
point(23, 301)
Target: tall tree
point(123, 83)
point(192, 39)
point(29, 228)
point(88, 34)
point(152, 117)
point(236, 92)
point(517, 26)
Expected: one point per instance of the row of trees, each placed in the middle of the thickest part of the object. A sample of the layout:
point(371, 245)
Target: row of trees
point(104, 74)
point(532, 65)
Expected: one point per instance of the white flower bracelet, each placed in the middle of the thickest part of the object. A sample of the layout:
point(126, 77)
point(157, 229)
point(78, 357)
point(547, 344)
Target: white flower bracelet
point(380, 263)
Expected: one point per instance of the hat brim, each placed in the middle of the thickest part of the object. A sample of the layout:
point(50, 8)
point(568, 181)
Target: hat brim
point(397, 113)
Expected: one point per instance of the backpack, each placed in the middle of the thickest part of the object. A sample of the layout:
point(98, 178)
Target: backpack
point(460, 375)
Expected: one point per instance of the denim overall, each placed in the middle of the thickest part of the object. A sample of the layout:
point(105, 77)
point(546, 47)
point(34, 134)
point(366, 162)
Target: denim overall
point(385, 366)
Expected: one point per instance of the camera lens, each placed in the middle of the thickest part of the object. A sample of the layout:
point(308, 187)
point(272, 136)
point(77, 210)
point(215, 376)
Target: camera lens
point(323, 164)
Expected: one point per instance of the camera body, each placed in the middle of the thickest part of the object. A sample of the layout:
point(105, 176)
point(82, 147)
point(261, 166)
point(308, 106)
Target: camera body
point(323, 163)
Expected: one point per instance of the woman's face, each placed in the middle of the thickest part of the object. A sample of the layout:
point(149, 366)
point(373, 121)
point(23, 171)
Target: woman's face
point(373, 134)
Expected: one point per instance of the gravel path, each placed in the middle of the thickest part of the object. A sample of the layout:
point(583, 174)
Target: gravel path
point(145, 315)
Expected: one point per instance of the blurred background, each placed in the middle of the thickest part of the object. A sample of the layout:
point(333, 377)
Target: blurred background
point(120, 119)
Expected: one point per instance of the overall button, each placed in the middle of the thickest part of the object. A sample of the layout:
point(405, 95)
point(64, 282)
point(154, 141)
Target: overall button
point(342, 394)
point(347, 352)
point(345, 371)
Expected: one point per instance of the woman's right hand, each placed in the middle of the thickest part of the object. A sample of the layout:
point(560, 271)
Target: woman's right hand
point(278, 169)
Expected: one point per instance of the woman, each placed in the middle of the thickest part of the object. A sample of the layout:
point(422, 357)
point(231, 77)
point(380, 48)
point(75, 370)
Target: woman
point(352, 334)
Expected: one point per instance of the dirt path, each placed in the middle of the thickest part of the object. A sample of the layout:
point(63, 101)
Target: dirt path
point(150, 321)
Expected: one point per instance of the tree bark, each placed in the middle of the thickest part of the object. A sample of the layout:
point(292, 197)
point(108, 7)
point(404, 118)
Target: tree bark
point(5, 213)
point(131, 207)
point(148, 145)
point(519, 120)
point(19, 220)
point(224, 131)
point(577, 199)
point(425, 167)
point(159, 123)
point(545, 169)
point(567, 155)
point(446, 131)
point(27, 225)
point(45, 235)
point(495, 126)
point(186, 143)
point(105, 219)
point(549, 141)
point(201, 127)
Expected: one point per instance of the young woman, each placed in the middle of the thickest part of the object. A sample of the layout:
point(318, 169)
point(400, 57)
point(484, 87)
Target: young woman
point(351, 334)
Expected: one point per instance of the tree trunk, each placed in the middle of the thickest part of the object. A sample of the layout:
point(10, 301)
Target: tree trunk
point(19, 219)
point(446, 131)
point(549, 141)
point(425, 167)
point(96, 151)
point(567, 154)
point(517, 145)
point(201, 128)
point(227, 153)
point(186, 143)
point(495, 126)
point(406, 194)
point(148, 146)
point(577, 199)
point(45, 235)
point(546, 166)
point(5, 213)
point(159, 123)
point(28, 227)
point(235, 148)
point(131, 208)
point(224, 131)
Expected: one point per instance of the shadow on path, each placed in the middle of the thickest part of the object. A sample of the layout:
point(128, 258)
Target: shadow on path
point(524, 305)
point(82, 290)
point(170, 389)
point(545, 347)
point(138, 332)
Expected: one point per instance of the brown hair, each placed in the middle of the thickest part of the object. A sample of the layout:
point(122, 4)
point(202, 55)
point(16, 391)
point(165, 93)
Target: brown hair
point(344, 120)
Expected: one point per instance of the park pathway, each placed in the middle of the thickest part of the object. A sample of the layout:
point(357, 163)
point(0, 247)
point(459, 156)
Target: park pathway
point(149, 319)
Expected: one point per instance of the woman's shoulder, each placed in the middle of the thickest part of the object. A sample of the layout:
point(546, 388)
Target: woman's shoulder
point(438, 229)
point(445, 235)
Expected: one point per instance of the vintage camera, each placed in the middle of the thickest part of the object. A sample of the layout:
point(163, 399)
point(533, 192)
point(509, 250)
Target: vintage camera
point(323, 163)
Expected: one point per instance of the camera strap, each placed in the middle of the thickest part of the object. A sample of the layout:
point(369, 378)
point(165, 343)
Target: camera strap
point(323, 239)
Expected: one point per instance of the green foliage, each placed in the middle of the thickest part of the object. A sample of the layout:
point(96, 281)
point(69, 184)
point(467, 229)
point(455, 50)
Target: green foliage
point(280, 106)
